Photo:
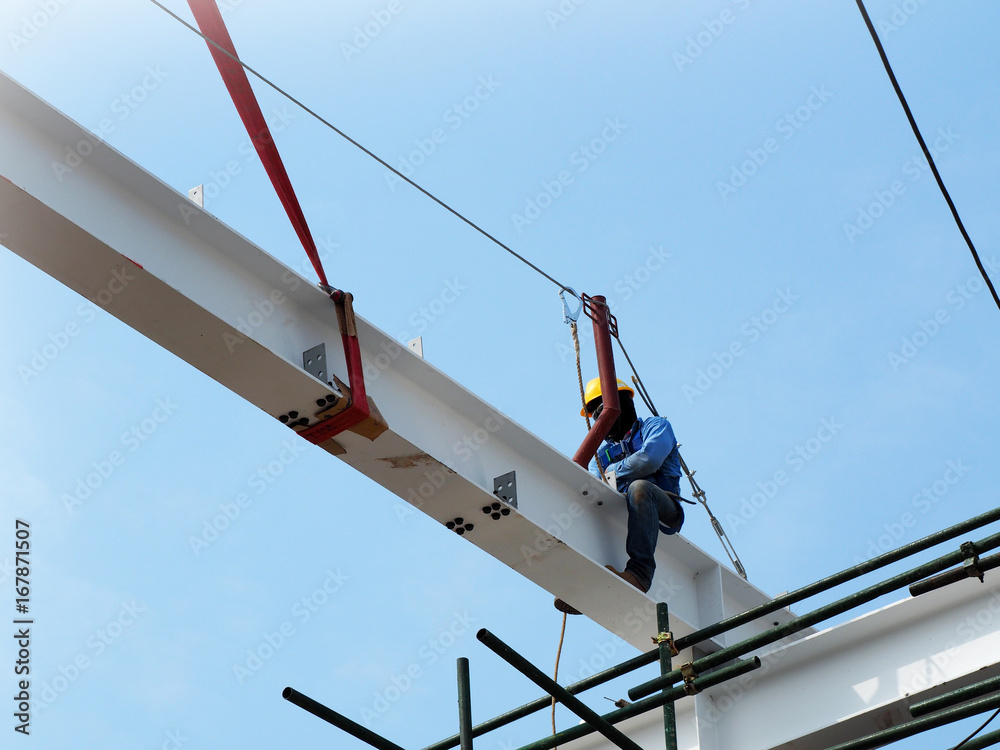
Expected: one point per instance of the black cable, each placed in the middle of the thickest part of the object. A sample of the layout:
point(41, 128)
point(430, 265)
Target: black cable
point(977, 731)
point(927, 152)
point(642, 386)
point(350, 140)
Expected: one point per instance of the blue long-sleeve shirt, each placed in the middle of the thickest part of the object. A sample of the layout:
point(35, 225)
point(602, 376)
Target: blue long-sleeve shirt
point(648, 451)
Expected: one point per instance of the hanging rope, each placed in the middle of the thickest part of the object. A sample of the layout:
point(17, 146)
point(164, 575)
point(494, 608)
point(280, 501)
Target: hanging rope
point(555, 676)
point(579, 372)
point(571, 319)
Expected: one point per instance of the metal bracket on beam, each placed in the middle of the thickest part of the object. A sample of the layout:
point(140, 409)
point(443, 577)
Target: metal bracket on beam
point(505, 487)
point(314, 362)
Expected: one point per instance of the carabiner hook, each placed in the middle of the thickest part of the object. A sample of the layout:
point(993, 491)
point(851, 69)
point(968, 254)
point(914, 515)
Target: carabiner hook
point(570, 317)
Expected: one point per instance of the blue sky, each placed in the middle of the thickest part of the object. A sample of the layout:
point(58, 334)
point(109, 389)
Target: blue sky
point(737, 177)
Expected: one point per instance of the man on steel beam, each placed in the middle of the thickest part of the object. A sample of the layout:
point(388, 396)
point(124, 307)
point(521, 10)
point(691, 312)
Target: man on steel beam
point(642, 458)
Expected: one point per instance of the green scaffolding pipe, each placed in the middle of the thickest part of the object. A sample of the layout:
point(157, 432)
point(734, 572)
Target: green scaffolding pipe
point(983, 740)
point(341, 722)
point(464, 704)
point(729, 623)
point(552, 687)
point(893, 734)
point(947, 700)
point(953, 576)
point(836, 579)
point(648, 704)
point(529, 708)
point(669, 712)
point(817, 615)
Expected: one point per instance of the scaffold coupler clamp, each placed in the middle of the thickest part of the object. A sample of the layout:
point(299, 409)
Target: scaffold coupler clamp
point(666, 637)
point(971, 562)
point(689, 675)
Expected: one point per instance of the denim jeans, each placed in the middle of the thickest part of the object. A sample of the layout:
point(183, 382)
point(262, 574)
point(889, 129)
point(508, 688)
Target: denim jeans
point(648, 506)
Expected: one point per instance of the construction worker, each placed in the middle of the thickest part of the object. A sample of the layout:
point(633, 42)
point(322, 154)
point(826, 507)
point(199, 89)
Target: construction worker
point(642, 455)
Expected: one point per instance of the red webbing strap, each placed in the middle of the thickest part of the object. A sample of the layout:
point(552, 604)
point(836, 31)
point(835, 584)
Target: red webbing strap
point(358, 410)
point(209, 19)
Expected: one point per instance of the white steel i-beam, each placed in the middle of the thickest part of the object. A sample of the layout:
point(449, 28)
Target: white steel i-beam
point(845, 682)
point(149, 256)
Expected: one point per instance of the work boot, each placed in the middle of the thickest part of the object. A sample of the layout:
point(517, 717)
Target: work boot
point(565, 608)
point(629, 577)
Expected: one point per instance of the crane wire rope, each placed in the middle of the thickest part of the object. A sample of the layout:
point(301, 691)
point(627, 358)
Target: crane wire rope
point(981, 728)
point(355, 143)
point(926, 150)
point(696, 490)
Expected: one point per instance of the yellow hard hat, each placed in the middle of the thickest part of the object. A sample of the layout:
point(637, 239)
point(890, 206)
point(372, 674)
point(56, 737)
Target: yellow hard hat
point(593, 391)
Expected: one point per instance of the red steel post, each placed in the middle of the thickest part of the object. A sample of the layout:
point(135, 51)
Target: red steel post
point(609, 383)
